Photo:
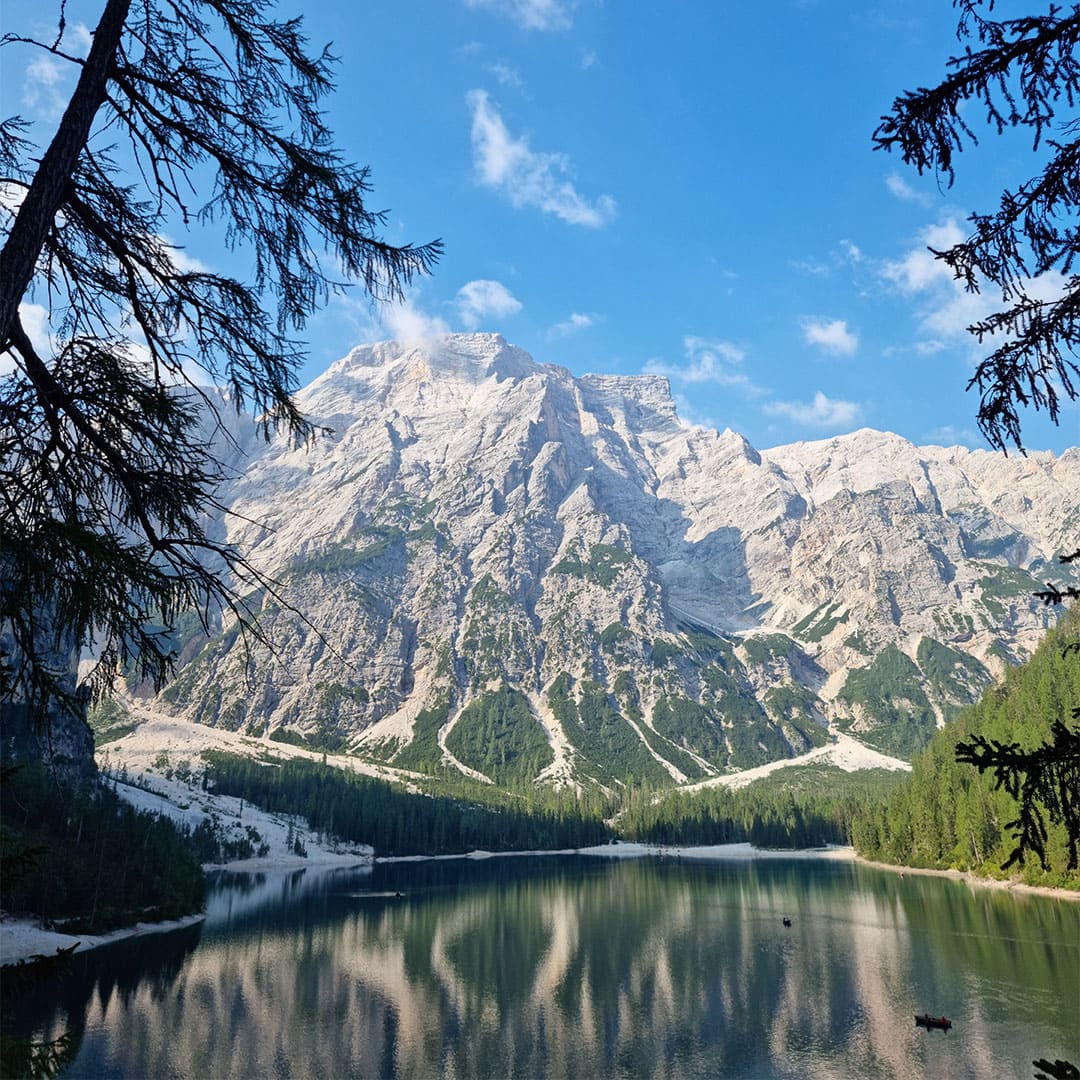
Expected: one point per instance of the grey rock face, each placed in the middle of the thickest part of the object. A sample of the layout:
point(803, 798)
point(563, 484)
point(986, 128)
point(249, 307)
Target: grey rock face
point(516, 573)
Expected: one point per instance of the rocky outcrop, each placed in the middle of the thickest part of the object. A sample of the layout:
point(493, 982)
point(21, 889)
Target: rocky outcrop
point(483, 547)
point(53, 731)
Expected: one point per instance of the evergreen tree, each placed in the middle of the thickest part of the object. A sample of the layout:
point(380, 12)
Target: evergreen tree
point(1018, 73)
point(107, 471)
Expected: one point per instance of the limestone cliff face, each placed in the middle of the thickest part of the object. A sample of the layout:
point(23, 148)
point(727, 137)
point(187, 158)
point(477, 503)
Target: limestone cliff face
point(56, 734)
point(516, 572)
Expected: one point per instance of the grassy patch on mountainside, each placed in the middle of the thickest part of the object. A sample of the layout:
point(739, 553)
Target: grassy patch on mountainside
point(693, 726)
point(602, 565)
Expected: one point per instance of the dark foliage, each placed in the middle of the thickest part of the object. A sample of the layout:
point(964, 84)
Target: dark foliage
point(98, 863)
point(1056, 1070)
point(1021, 73)
point(800, 808)
point(186, 112)
point(1044, 782)
point(1023, 795)
point(1018, 73)
point(362, 810)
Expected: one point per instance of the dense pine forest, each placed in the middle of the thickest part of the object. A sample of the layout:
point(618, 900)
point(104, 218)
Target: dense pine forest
point(360, 809)
point(83, 859)
point(806, 806)
point(947, 814)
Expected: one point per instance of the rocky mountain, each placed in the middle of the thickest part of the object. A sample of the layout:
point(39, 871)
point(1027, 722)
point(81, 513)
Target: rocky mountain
point(517, 573)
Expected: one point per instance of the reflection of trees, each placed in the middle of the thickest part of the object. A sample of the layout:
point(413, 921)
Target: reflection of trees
point(57, 1006)
point(565, 967)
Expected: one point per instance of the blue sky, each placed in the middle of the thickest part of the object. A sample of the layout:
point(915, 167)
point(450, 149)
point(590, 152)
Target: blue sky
point(683, 188)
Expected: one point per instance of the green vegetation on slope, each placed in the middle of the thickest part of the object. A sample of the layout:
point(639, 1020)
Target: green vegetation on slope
point(889, 693)
point(608, 744)
point(602, 567)
point(690, 725)
point(363, 810)
point(950, 816)
point(498, 735)
point(800, 806)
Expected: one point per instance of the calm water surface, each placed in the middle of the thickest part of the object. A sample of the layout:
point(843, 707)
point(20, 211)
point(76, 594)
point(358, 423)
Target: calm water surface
point(575, 966)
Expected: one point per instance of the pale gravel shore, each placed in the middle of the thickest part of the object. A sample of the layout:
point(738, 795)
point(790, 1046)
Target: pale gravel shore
point(1010, 885)
point(21, 938)
point(629, 850)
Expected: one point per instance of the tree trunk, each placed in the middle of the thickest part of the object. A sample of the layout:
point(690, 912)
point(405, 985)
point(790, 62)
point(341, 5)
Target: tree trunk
point(46, 193)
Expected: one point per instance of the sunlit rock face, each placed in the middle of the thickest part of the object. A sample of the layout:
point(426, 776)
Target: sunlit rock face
point(489, 563)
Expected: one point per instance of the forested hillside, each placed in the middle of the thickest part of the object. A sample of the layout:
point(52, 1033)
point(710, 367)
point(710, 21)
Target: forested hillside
point(947, 814)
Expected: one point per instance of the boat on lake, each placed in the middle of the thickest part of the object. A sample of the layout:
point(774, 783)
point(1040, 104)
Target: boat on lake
point(928, 1021)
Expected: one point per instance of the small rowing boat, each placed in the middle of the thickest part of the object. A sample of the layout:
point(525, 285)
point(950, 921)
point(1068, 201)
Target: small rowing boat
point(928, 1021)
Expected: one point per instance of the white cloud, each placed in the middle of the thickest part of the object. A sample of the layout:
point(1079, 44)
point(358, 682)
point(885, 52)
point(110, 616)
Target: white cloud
point(43, 86)
point(690, 415)
point(919, 269)
point(589, 59)
point(406, 322)
point(35, 321)
point(185, 263)
point(577, 321)
point(527, 177)
point(832, 335)
point(532, 14)
point(709, 360)
point(944, 307)
point(814, 267)
point(822, 412)
point(480, 300)
point(902, 190)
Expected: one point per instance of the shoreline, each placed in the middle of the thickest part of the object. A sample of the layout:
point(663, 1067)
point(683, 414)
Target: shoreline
point(1051, 892)
point(630, 849)
point(22, 937)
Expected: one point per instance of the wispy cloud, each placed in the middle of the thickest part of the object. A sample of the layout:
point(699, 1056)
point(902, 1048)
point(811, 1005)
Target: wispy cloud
point(43, 86)
point(953, 436)
point(708, 360)
point(527, 177)
point(577, 321)
point(35, 321)
point(918, 269)
point(482, 299)
point(901, 189)
point(830, 335)
point(691, 416)
point(822, 412)
point(944, 307)
point(507, 75)
point(851, 251)
point(532, 14)
point(588, 60)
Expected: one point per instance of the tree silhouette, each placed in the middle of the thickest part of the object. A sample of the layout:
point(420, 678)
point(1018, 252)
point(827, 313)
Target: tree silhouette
point(1021, 73)
point(185, 113)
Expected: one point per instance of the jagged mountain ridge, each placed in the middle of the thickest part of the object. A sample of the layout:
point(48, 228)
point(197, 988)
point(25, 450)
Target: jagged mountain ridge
point(521, 573)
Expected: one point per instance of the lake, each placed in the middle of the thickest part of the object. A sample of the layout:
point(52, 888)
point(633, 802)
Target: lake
point(581, 966)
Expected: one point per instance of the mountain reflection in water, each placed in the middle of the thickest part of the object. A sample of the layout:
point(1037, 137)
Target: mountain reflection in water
point(575, 967)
